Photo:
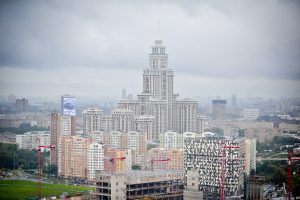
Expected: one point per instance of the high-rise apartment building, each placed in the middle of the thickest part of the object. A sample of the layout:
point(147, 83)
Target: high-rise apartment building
point(68, 108)
point(145, 124)
point(250, 155)
point(60, 125)
point(219, 109)
point(173, 159)
point(204, 155)
point(92, 120)
point(173, 140)
point(54, 137)
point(95, 159)
point(122, 120)
point(22, 105)
point(72, 156)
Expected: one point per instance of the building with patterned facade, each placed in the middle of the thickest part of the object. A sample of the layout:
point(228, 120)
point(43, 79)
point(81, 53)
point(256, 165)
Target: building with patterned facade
point(204, 155)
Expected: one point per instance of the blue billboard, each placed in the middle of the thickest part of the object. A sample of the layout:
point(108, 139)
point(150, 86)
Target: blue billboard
point(69, 104)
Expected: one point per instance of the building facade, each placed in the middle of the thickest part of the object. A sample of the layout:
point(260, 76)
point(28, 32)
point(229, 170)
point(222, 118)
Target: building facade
point(204, 155)
point(92, 120)
point(160, 185)
point(95, 159)
point(159, 101)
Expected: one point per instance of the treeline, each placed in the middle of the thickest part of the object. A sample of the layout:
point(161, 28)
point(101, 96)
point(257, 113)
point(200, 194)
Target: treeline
point(23, 129)
point(276, 143)
point(13, 158)
point(276, 172)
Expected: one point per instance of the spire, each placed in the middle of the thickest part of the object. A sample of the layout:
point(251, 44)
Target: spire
point(158, 31)
point(158, 41)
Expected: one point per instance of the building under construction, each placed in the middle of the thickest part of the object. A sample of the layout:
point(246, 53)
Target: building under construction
point(161, 185)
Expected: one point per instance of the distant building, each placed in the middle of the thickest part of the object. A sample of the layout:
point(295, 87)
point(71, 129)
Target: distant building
point(145, 124)
point(22, 105)
point(31, 140)
point(250, 155)
point(219, 109)
point(173, 140)
point(250, 114)
point(68, 108)
point(92, 120)
point(122, 120)
point(162, 185)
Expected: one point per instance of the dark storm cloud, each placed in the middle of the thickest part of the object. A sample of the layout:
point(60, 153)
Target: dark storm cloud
point(220, 40)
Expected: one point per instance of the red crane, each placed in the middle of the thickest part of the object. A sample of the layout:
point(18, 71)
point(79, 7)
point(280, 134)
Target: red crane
point(290, 174)
point(112, 162)
point(224, 148)
point(158, 160)
point(40, 165)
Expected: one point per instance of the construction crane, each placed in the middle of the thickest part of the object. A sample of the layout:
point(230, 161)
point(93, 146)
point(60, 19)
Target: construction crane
point(290, 174)
point(112, 162)
point(40, 166)
point(224, 148)
point(158, 160)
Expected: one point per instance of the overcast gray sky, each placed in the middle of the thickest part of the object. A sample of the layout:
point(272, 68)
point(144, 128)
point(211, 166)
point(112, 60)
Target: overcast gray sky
point(96, 48)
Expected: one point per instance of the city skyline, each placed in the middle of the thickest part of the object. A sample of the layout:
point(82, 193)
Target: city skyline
point(96, 49)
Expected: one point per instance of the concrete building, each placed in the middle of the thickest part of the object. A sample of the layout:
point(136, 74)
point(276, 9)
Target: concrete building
point(204, 155)
point(250, 114)
point(95, 159)
point(113, 164)
point(31, 140)
point(72, 156)
point(219, 109)
point(255, 188)
point(161, 185)
point(122, 120)
point(106, 123)
point(133, 140)
point(192, 192)
point(173, 140)
point(54, 137)
point(145, 124)
point(250, 155)
point(92, 120)
point(202, 124)
point(175, 162)
point(60, 125)
point(158, 99)
point(68, 108)
point(22, 105)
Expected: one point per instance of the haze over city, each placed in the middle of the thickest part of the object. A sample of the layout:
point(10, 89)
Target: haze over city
point(96, 48)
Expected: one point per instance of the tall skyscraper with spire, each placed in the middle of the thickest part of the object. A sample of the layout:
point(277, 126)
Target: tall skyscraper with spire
point(158, 99)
